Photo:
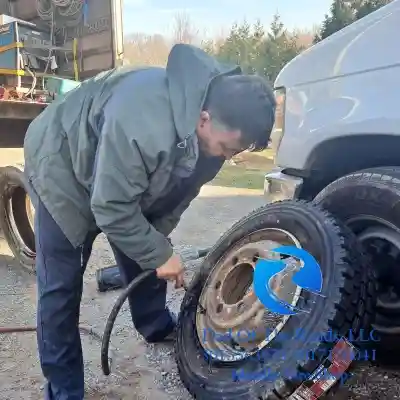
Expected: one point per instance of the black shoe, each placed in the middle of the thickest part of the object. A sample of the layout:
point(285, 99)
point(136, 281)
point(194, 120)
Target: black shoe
point(170, 337)
point(168, 334)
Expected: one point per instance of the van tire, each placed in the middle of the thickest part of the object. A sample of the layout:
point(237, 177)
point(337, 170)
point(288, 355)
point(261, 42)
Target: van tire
point(349, 287)
point(15, 221)
point(374, 192)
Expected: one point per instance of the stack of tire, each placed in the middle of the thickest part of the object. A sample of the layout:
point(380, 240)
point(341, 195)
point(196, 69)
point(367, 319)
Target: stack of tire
point(368, 202)
point(352, 227)
point(17, 216)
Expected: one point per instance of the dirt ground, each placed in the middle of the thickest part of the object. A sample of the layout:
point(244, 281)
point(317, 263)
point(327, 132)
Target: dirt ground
point(140, 371)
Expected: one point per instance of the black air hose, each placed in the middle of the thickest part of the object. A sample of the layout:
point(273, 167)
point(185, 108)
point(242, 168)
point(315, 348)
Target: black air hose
point(105, 365)
point(105, 340)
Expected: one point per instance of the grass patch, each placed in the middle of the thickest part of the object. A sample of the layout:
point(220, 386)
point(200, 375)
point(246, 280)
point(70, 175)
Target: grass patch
point(239, 177)
point(248, 173)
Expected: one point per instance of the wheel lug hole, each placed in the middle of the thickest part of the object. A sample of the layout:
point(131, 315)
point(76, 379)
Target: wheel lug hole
point(256, 257)
point(218, 285)
point(235, 260)
point(219, 307)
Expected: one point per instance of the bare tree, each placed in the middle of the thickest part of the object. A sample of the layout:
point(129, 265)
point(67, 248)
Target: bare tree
point(303, 37)
point(142, 50)
point(183, 29)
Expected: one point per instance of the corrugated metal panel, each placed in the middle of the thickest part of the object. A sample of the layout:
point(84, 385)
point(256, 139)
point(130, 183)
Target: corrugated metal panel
point(4, 7)
point(100, 41)
point(24, 9)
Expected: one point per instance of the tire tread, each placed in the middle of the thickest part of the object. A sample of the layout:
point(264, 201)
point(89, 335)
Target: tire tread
point(352, 304)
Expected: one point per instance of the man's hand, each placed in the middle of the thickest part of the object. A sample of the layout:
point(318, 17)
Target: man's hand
point(172, 270)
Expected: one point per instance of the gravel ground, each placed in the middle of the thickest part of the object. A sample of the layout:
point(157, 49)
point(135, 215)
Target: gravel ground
point(141, 371)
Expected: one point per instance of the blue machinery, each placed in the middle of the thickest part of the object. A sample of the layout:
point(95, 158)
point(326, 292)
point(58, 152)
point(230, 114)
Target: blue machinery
point(27, 51)
point(20, 48)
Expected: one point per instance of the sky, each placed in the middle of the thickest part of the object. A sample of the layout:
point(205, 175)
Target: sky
point(212, 17)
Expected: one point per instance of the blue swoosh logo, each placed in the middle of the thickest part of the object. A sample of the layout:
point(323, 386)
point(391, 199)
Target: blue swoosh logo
point(309, 277)
point(264, 272)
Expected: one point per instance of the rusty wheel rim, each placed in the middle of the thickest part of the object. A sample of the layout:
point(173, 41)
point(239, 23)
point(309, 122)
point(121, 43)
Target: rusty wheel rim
point(231, 323)
point(20, 220)
point(30, 211)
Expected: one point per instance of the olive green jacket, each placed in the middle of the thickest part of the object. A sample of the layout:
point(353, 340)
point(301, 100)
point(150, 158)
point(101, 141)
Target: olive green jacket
point(109, 150)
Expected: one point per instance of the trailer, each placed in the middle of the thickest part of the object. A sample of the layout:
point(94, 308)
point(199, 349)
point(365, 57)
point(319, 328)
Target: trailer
point(46, 48)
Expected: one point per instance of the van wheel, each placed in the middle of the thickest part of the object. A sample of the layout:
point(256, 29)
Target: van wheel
point(368, 202)
point(220, 304)
point(17, 216)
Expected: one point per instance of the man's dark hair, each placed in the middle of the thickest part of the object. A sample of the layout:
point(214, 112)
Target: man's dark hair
point(245, 103)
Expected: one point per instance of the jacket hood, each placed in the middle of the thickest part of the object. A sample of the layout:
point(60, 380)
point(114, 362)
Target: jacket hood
point(190, 71)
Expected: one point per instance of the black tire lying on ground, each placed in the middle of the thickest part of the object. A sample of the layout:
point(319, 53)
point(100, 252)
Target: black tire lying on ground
point(349, 287)
point(16, 216)
point(368, 201)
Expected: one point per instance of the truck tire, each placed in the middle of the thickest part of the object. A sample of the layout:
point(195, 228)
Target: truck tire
point(368, 202)
point(16, 217)
point(349, 287)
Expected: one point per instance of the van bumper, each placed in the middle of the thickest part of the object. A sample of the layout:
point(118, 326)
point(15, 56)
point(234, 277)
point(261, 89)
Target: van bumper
point(280, 186)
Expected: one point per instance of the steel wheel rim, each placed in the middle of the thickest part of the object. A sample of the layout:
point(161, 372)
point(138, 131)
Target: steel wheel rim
point(376, 230)
point(30, 212)
point(218, 315)
point(12, 206)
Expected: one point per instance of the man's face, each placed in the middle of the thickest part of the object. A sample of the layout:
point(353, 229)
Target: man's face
point(215, 140)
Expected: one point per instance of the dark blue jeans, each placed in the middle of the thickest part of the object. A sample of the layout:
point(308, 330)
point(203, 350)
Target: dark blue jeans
point(60, 268)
